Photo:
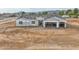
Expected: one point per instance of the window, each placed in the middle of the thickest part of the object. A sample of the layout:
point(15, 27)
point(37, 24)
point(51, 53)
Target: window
point(20, 22)
point(33, 22)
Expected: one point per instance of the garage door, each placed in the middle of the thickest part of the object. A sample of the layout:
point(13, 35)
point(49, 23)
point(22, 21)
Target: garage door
point(51, 24)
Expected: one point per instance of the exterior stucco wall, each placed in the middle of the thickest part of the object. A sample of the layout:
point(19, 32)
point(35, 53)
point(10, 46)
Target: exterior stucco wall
point(26, 22)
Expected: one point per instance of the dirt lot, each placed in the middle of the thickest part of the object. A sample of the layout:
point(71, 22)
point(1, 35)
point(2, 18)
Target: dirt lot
point(12, 37)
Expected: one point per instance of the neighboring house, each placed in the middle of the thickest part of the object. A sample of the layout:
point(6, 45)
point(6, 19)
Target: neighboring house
point(26, 22)
point(66, 16)
point(54, 22)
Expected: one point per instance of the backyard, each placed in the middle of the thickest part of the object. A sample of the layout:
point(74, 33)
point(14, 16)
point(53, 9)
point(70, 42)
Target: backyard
point(12, 37)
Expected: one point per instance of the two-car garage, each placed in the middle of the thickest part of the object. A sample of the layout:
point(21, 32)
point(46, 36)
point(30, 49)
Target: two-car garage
point(54, 23)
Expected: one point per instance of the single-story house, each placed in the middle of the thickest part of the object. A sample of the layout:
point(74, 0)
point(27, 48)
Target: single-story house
point(54, 22)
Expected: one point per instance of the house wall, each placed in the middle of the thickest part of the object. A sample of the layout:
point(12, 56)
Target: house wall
point(36, 23)
point(26, 22)
point(17, 22)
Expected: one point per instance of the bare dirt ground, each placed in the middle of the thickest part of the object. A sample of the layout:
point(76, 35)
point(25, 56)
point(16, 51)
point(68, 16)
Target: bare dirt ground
point(12, 37)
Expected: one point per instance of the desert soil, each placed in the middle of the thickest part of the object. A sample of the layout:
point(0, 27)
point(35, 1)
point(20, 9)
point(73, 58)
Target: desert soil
point(28, 38)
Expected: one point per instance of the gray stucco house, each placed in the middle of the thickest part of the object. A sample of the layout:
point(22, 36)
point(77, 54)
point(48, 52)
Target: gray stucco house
point(54, 22)
point(26, 22)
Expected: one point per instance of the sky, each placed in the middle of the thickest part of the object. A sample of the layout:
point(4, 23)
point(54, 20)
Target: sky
point(12, 10)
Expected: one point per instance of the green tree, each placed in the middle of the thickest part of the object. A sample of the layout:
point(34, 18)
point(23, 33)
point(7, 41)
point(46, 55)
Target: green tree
point(70, 14)
point(76, 11)
point(61, 12)
point(22, 14)
point(45, 13)
point(68, 11)
point(39, 13)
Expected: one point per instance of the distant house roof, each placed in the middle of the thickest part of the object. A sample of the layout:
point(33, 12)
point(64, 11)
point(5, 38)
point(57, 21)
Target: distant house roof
point(21, 19)
point(54, 19)
point(67, 16)
point(27, 17)
point(47, 18)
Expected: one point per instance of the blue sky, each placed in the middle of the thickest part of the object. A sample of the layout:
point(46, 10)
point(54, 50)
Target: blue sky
point(11, 10)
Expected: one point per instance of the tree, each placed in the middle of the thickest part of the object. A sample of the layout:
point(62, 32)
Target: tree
point(61, 12)
point(39, 13)
point(76, 11)
point(45, 13)
point(71, 12)
point(22, 14)
point(68, 11)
